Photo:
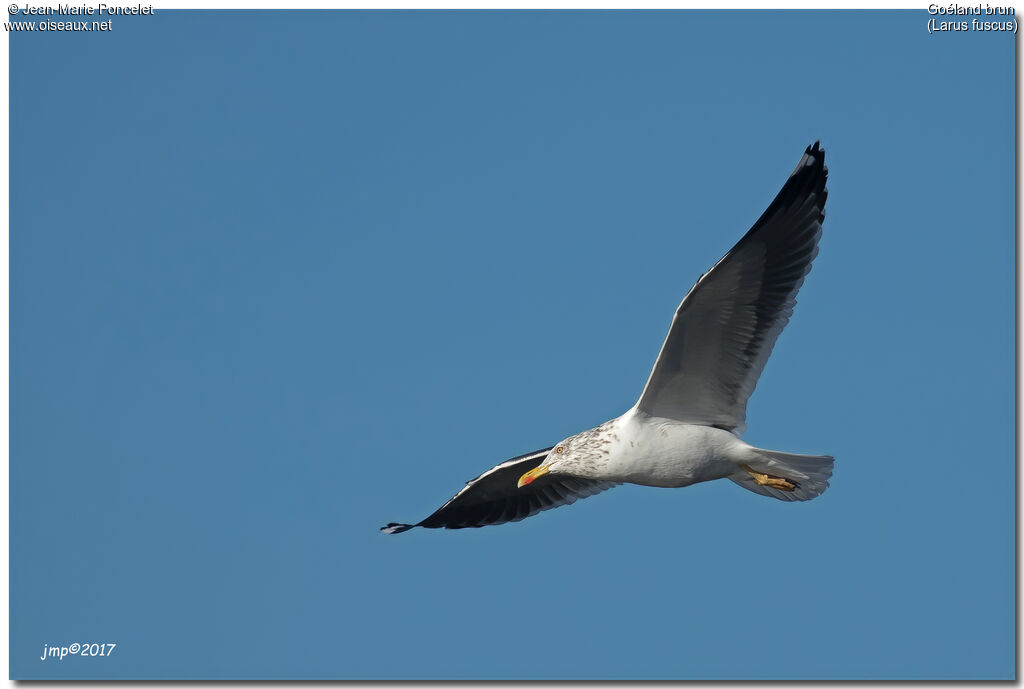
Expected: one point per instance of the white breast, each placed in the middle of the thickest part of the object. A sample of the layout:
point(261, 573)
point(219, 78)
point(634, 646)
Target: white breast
point(654, 451)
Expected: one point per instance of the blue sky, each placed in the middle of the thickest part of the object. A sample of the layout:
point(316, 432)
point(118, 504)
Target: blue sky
point(278, 278)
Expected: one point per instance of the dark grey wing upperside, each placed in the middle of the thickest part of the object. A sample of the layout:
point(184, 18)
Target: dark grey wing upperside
point(725, 327)
point(494, 497)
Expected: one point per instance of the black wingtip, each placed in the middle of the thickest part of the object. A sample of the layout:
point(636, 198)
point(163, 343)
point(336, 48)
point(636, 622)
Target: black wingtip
point(396, 528)
point(815, 151)
point(812, 159)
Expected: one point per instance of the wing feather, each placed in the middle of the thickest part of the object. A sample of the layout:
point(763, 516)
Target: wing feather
point(494, 497)
point(725, 327)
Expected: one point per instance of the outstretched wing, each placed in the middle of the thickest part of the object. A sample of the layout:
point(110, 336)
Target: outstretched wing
point(726, 326)
point(494, 498)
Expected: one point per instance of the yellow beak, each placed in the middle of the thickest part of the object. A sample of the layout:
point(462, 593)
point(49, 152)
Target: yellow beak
point(532, 474)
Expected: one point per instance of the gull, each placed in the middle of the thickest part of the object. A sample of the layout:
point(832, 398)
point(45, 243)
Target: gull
point(687, 425)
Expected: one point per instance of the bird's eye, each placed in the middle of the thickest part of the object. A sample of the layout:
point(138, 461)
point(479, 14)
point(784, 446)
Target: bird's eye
point(559, 449)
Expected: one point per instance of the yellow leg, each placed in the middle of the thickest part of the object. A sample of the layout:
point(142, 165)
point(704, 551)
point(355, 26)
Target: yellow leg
point(770, 481)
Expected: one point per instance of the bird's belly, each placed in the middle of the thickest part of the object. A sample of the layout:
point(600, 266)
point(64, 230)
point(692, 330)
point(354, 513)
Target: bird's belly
point(669, 454)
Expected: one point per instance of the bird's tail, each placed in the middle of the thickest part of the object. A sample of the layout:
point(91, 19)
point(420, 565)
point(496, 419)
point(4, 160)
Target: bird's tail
point(784, 476)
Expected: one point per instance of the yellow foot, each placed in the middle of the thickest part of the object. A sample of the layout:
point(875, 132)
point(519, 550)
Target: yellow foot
point(770, 481)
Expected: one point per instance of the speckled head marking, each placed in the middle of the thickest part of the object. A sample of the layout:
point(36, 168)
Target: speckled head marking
point(584, 453)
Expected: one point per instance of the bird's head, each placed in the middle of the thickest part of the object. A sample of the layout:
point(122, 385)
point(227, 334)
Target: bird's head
point(556, 462)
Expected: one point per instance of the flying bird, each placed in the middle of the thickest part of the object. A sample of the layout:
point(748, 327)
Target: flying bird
point(687, 424)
